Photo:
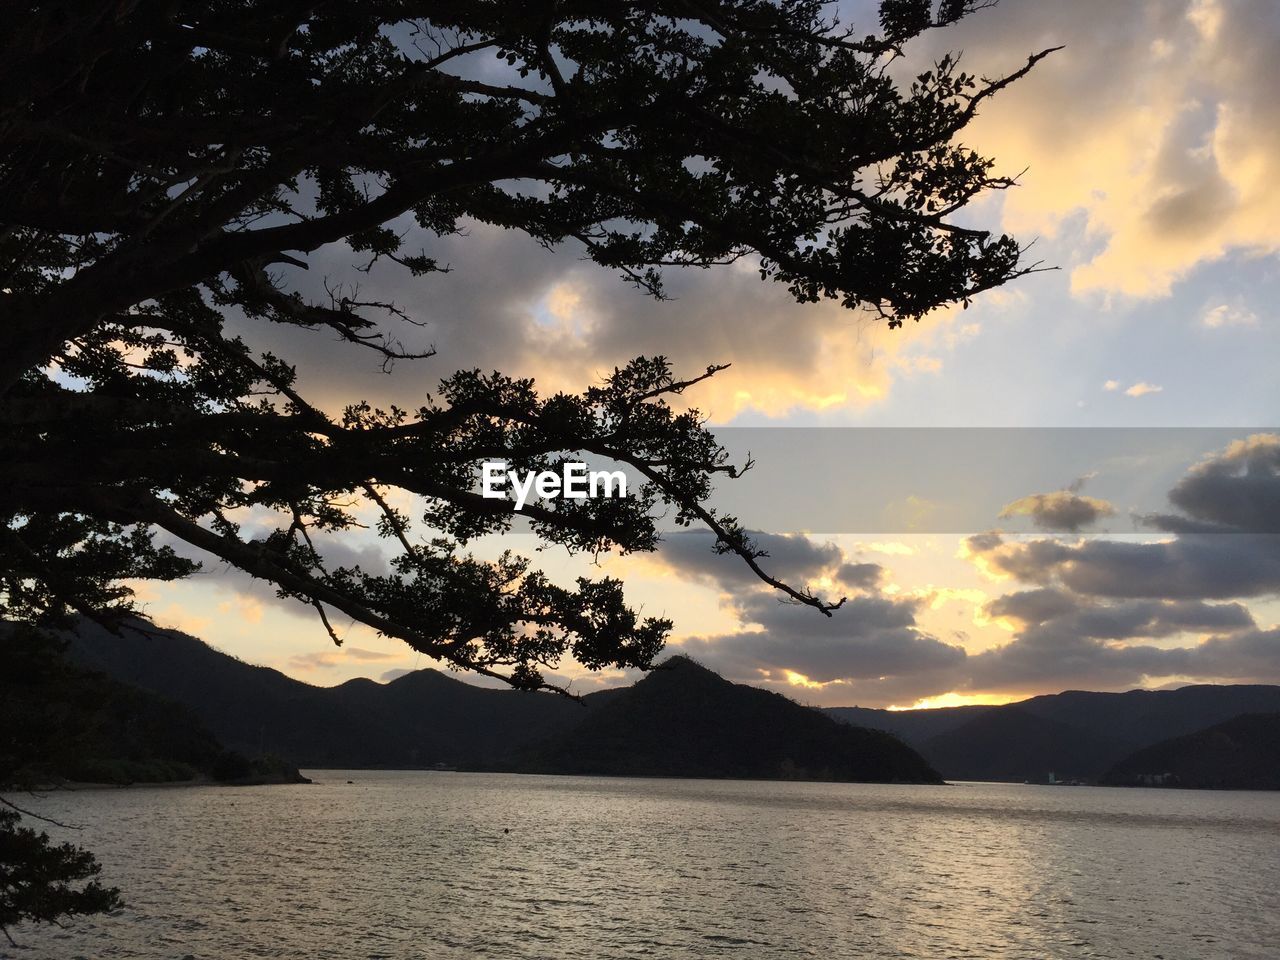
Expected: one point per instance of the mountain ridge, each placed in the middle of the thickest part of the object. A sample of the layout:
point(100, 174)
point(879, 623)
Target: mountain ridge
point(1076, 734)
point(425, 718)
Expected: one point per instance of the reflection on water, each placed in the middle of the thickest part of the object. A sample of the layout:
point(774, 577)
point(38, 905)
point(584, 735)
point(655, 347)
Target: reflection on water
point(418, 865)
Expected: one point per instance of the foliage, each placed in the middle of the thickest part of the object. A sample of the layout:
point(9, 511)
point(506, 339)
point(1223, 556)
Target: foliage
point(161, 161)
point(42, 881)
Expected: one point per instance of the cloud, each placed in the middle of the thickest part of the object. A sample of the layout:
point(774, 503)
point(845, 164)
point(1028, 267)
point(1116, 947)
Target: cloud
point(1102, 612)
point(1142, 388)
point(1060, 613)
point(336, 657)
point(791, 558)
point(1190, 566)
point(318, 660)
point(357, 653)
point(1064, 660)
point(1228, 315)
point(1252, 657)
point(1063, 510)
point(1088, 613)
point(1091, 612)
point(872, 649)
point(248, 609)
point(1111, 386)
point(1236, 490)
point(1065, 639)
point(510, 305)
point(1178, 171)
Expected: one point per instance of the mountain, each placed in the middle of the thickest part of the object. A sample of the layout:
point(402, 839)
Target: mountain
point(683, 720)
point(1240, 754)
point(418, 720)
point(61, 721)
point(426, 718)
point(914, 726)
point(1075, 734)
point(1012, 743)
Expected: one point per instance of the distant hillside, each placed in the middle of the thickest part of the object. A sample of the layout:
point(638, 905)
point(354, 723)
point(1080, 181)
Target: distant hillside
point(426, 718)
point(1012, 743)
point(1240, 754)
point(916, 727)
point(418, 720)
point(682, 720)
point(1076, 734)
point(61, 721)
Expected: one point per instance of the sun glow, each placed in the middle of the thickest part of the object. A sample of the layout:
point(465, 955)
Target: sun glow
point(959, 700)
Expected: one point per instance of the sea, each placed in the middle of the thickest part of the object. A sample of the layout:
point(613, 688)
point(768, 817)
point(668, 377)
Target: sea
point(374, 865)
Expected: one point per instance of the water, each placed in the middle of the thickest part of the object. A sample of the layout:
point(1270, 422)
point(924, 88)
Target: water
point(408, 865)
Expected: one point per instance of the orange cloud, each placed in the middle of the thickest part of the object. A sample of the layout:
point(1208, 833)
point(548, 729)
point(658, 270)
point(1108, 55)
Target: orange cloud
point(1158, 122)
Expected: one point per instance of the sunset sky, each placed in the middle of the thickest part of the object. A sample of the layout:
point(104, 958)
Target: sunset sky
point(1152, 152)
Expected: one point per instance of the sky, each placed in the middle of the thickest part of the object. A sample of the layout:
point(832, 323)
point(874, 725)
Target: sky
point(1151, 148)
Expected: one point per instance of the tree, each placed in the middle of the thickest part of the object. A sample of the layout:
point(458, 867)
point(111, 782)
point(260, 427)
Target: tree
point(43, 882)
point(47, 713)
point(159, 158)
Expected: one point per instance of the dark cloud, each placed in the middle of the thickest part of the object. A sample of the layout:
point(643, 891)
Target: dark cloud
point(869, 639)
point(1191, 566)
point(1068, 640)
point(1061, 510)
point(1032, 606)
point(1237, 490)
point(1072, 663)
point(509, 304)
point(1101, 605)
point(792, 558)
point(1252, 657)
point(1083, 662)
point(860, 576)
point(1059, 612)
point(872, 649)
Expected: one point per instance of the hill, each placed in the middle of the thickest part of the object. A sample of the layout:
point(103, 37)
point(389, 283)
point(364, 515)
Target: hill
point(60, 721)
point(418, 720)
point(1240, 754)
point(426, 718)
point(916, 727)
point(1013, 743)
point(1075, 734)
point(683, 720)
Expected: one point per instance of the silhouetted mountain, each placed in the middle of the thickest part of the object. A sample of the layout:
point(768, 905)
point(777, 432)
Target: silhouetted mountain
point(1146, 716)
point(679, 721)
point(1240, 754)
point(682, 720)
point(1076, 734)
point(426, 718)
point(1011, 743)
point(916, 727)
point(62, 721)
point(418, 720)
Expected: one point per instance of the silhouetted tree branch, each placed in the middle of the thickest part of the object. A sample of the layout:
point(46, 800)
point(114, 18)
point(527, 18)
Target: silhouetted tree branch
point(158, 159)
